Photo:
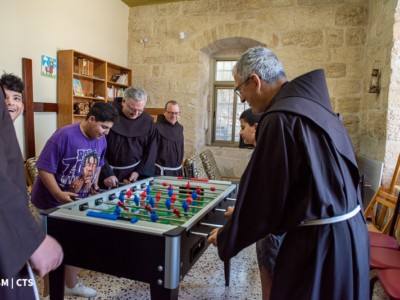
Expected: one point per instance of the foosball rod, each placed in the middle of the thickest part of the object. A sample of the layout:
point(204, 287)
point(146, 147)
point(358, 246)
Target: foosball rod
point(186, 190)
point(174, 184)
point(142, 207)
point(212, 225)
point(177, 199)
point(140, 215)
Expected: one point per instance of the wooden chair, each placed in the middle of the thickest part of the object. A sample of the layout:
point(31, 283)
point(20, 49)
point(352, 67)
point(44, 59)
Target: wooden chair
point(385, 197)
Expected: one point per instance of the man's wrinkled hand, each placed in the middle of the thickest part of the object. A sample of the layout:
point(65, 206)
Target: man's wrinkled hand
point(229, 212)
point(111, 181)
point(213, 237)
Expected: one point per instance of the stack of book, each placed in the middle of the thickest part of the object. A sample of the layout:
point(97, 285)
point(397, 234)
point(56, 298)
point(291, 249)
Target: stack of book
point(120, 78)
point(113, 92)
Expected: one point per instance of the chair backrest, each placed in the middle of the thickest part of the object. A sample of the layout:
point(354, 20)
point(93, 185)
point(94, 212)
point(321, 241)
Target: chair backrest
point(194, 167)
point(210, 165)
point(384, 196)
point(388, 201)
point(31, 171)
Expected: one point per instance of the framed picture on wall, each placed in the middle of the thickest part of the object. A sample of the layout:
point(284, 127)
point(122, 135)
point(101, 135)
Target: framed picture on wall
point(49, 66)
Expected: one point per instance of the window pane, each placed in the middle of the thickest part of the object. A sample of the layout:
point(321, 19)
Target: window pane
point(223, 70)
point(241, 107)
point(224, 115)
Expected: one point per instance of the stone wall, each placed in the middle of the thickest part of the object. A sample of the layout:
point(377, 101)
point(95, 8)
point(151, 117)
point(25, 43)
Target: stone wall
point(379, 119)
point(305, 35)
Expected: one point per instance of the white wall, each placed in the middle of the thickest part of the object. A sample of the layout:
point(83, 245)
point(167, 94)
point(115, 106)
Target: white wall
point(32, 28)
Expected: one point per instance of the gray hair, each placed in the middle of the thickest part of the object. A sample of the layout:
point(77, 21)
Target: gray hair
point(136, 93)
point(260, 61)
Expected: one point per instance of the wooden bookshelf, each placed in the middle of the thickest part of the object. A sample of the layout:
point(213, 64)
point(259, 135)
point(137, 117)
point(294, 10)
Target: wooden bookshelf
point(68, 70)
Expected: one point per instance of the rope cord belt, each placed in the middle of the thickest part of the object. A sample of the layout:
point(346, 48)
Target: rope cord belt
point(333, 219)
point(123, 168)
point(167, 168)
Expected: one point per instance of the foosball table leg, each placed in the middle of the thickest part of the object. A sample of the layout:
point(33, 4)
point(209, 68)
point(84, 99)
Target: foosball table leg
point(158, 292)
point(56, 283)
point(227, 270)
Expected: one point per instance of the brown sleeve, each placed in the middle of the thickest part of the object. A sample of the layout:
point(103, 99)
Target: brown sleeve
point(20, 235)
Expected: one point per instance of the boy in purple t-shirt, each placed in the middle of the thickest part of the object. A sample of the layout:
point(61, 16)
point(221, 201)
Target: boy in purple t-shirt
point(68, 167)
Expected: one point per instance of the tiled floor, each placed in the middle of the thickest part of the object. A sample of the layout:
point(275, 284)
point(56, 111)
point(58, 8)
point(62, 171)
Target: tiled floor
point(204, 281)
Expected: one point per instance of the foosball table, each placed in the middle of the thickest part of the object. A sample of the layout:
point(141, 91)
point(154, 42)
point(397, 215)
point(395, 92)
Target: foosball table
point(153, 230)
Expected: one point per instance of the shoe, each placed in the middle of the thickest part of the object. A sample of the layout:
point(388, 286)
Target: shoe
point(81, 291)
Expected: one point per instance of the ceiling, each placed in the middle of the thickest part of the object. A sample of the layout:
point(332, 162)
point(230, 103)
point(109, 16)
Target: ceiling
point(133, 3)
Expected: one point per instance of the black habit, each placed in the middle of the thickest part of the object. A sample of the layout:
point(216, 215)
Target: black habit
point(130, 141)
point(170, 146)
point(303, 168)
point(20, 235)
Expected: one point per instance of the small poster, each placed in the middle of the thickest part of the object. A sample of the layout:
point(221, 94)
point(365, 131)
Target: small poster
point(78, 88)
point(49, 66)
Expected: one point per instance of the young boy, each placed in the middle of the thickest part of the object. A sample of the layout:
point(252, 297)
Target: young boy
point(267, 248)
point(13, 87)
point(68, 167)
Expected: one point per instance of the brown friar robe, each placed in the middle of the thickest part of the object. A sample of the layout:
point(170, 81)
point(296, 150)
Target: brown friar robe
point(20, 235)
point(170, 144)
point(303, 168)
point(128, 142)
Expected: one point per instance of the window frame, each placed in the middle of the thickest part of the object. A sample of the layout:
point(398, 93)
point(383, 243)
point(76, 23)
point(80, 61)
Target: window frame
point(221, 85)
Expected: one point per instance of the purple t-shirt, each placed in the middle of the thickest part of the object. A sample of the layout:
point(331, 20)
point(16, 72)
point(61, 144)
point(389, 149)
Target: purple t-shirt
point(74, 160)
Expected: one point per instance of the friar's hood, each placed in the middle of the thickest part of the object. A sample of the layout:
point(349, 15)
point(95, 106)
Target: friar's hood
point(308, 95)
point(168, 131)
point(131, 127)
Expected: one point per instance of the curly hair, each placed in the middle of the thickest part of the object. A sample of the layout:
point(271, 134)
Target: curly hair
point(12, 82)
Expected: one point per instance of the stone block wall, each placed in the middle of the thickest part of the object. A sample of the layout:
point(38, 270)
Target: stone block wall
point(379, 123)
point(305, 34)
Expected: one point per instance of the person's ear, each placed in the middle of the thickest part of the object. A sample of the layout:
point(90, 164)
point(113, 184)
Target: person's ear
point(91, 119)
point(257, 80)
point(255, 127)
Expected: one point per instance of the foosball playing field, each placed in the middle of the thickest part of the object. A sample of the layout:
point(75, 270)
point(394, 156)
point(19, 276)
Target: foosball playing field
point(163, 203)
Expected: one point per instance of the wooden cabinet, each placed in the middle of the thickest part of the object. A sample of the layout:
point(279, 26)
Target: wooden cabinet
point(94, 86)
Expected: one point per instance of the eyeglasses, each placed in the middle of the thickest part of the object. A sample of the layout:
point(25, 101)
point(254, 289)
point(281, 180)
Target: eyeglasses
point(171, 113)
point(133, 110)
point(237, 91)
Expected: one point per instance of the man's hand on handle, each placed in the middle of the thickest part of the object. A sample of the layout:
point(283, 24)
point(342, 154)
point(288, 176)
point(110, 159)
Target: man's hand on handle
point(111, 181)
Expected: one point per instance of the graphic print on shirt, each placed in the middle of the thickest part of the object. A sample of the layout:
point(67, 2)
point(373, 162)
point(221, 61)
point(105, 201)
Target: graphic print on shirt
point(80, 171)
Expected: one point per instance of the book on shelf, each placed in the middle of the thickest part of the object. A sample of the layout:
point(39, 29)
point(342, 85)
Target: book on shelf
point(113, 92)
point(77, 87)
point(120, 78)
